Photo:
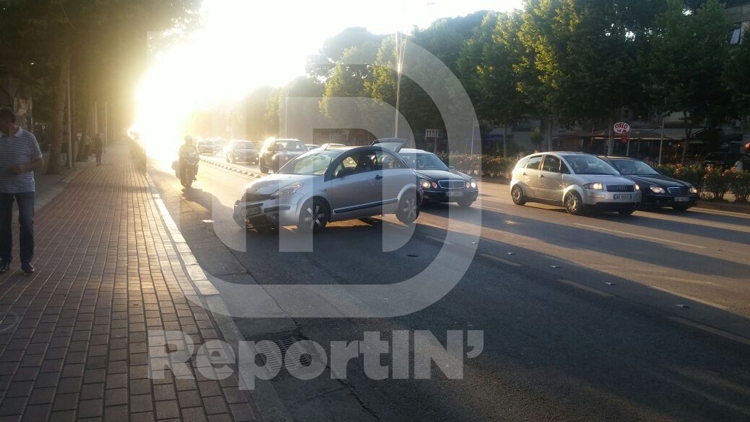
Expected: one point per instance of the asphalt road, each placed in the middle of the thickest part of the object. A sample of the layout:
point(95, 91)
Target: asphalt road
point(583, 318)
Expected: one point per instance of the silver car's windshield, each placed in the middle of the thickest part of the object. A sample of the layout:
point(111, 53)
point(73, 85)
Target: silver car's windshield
point(587, 164)
point(628, 167)
point(314, 163)
point(424, 161)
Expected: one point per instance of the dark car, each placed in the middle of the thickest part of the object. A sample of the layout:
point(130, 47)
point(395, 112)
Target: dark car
point(726, 160)
point(241, 151)
point(278, 151)
point(439, 182)
point(207, 146)
point(657, 190)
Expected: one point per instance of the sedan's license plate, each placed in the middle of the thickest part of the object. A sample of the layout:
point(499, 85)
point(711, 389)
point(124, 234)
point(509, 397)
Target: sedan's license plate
point(681, 199)
point(454, 193)
point(626, 196)
point(251, 211)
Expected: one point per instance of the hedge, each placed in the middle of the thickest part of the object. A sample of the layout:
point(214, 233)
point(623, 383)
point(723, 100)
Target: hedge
point(480, 165)
point(713, 183)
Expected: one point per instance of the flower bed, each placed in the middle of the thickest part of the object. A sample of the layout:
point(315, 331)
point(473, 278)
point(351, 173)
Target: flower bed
point(713, 184)
point(480, 165)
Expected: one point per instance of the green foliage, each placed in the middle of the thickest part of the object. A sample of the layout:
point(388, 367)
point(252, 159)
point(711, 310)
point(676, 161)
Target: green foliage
point(739, 184)
point(480, 165)
point(717, 183)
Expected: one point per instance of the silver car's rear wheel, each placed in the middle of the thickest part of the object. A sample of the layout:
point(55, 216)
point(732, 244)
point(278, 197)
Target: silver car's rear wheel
point(516, 194)
point(313, 217)
point(573, 203)
point(408, 208)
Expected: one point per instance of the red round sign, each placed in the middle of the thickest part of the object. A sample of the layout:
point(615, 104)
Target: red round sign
point(622, 127)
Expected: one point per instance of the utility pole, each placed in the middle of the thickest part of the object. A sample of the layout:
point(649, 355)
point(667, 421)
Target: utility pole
point(70, 164)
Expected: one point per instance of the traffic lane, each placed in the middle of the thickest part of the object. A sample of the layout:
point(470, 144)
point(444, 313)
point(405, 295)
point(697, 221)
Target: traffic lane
point(654, 262)
point(552, 350)
point(702, 223)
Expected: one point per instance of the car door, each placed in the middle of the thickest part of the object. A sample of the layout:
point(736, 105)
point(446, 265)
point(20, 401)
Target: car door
point(396, 175)
point(356, 186)
point(550, 184)
point(530, 176)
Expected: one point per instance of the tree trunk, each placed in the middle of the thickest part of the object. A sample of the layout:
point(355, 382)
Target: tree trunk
point(688, 132)
point(53, 167)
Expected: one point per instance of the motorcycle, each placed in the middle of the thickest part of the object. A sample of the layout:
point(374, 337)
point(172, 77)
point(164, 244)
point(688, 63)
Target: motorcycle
point(190, 170)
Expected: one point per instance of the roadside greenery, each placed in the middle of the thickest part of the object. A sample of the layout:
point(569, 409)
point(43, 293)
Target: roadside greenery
point(713, 184)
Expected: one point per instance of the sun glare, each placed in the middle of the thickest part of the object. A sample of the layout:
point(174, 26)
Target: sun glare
point(245, 44)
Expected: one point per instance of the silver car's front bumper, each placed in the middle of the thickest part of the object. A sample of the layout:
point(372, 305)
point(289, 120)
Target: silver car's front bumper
point(270, 212)
point(614, 200)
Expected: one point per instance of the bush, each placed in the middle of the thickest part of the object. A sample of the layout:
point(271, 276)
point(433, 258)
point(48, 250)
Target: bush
point(717, 183)
point(695, 174)
point(480, 165)
point(739, 184)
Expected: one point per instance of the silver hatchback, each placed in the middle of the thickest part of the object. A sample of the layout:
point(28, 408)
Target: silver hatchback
point(332, 184)
point(574, 180)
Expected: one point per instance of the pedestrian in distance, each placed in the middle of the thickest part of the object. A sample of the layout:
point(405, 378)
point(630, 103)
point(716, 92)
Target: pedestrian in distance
point(98, 148)
point(20, 156)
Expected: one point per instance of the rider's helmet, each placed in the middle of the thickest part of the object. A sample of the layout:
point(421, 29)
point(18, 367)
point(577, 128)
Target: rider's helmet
point(188, 139)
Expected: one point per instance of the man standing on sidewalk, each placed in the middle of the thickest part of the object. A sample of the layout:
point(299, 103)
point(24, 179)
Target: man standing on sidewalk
point(98, 148)
point(20, 156)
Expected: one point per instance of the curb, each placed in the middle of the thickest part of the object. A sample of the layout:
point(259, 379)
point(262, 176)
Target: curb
point(724, 206)
point(267, 401)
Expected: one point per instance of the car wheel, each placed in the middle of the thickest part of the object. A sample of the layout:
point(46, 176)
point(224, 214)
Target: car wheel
point(681, 208)
point(573, 203)
point(313, 217)
point(516, 194)
point(465, 203)
point(408, 208)
point(228, 159)
point(627, 212)
point(263, 168)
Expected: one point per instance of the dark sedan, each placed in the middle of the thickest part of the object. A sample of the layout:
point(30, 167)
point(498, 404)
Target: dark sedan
point(439, 182)
point(657, 190)
point(241, 150)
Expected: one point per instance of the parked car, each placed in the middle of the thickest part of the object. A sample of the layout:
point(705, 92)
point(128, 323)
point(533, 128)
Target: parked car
point(278, 151)
point(311, 147)
point(657, 190)
point(331, 185)
point(726, 160)
point(241, 151)
point(439, 182)
point(577, 181)
point(207, 146)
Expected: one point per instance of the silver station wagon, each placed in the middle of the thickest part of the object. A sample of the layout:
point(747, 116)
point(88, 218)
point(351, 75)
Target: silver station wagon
point(331, 184)
point(577, 181)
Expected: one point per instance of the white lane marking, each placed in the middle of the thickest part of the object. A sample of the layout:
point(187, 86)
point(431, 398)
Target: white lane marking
point(656, 239)
point(437, 239)
point(501, 260)
point(694, 299)
point(712, 330)
point(586, 288)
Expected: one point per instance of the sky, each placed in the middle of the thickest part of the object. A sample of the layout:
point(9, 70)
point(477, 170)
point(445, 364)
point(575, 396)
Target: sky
point(246, 43)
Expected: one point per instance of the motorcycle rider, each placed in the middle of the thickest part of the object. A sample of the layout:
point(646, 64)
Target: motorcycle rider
point(187, 150)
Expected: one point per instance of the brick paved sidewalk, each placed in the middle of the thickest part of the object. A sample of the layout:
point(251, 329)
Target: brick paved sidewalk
point(75, 335)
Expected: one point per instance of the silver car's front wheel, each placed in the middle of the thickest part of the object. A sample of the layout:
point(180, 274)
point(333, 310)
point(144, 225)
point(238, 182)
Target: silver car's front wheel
point(313, 217)
point(408, 208)
point(573, 203)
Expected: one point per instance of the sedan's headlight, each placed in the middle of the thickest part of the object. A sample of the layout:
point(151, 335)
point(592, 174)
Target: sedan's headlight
point(424, 183)
point(471, 184)
point(657, 189)
point(637, 186)
point(693, 190)
point(288, 190)
point(594, 186)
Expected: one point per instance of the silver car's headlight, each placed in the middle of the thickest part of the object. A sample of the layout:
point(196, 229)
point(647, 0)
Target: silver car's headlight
point(693, 189)
point(657, 189)
point(594, 186)
point(288, 190)
point(424, 183)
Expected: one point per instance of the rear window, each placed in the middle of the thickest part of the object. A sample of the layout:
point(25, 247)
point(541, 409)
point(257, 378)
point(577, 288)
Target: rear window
point(534, 162)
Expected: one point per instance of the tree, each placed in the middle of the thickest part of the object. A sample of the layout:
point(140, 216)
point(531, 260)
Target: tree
point(737, 76)
point(687, 58)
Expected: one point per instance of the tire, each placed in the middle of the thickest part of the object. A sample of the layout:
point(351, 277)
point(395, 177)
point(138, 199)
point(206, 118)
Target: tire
point(573, 203)
point(408, 208)
point(516, 194)
point(681, 208)
point(263, 169)
point(465, 203)
point(228, 159)
point(313, 216)
point(626, 212)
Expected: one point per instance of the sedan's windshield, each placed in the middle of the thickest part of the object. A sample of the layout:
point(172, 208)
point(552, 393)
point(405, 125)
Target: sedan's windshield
point(628, 167)
point(424, 161)
point(315, 163)
point(587, 164)
point(290, 146)
point(244, 145)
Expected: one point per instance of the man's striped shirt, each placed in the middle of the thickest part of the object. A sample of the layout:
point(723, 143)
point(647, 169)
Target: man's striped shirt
point(19, 148)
